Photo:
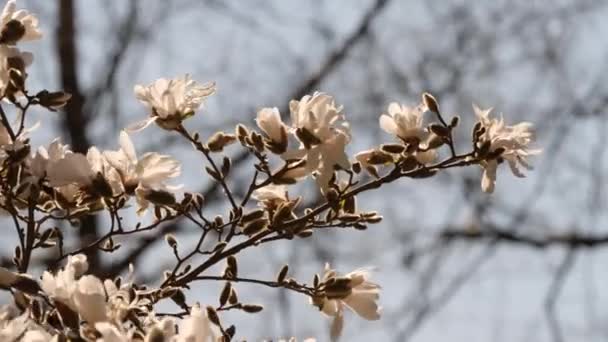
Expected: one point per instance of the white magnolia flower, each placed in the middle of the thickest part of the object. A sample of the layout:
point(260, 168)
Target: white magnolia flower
point(407, 123)
point(83, 294)
point(324, 134)
point(148, 172)
point(359, 295)
point(90, 299)
point(42, 158)
point(12, 325)
point(91, 171)
point(18, 24)
point(404, 122)
point(171, 101)
point(513, 141)
point(269, 121)
point(195, 328)
point(271, 193)
point(62, 285)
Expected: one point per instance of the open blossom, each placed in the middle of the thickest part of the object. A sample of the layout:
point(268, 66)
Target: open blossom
point(91, 171)
point(150, 172)
point(323, 133)
point(271, 194)
point(43, 157)
point(508, 143)
point(17, 24)
point(404, 122)
point(171, 101)
point(15, 326)
point(353, 291)
point(269, 121)
point(79, 293)
point(407, 123)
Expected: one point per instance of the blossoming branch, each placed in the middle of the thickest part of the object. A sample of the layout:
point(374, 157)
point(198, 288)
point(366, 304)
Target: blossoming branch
point(48, 184)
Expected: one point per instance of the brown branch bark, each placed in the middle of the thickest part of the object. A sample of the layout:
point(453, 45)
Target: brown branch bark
point(570, 240)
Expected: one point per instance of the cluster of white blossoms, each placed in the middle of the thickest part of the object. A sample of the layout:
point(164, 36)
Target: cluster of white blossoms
point(42, 187)
point(100, 311)
point(508, 143)
point(323, 134)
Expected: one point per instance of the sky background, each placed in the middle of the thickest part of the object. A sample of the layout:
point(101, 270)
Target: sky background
point(529, 60)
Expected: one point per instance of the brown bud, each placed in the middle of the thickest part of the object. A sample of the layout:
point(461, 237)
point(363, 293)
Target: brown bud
point(241, 132)
point(282, 274)
point(225, 293)
point(305, 233)
point(212, 315)
point(179, 298)
point(230, 331)
point(392, 148)
point(258, 141)
point(380, 158)
point(440, 130)
point(455, 121)
point(252, 215)
point(219, 140)
point(171, 240)
point(430, 102)
point(434, 141)
point(232, 265)
point(252, 308)
point(255, 226)
point(234, 297)
point(160, 197)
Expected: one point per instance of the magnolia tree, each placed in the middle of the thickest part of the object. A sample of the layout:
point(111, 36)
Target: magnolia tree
point(40, 187)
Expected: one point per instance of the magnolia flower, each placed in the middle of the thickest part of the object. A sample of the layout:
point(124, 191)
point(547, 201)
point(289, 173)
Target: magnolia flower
point(42, 158)
point(407, 123)
point(404, 122)
point(84, 295)
point(171, 101)
point(15, 328)
point(269, 121)
point(271, 193)
point(323, 134)
point(17, 25)
point(138, 175)
point(503, 142)
point(353, 291)
point(62, 285)
point(90, 299)
point(92, 172)
point(195, 328)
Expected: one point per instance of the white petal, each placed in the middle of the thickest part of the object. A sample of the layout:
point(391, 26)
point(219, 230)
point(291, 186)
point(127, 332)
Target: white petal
point(140, 125)
point(388, 124)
